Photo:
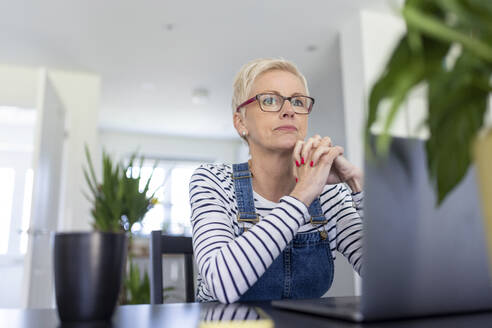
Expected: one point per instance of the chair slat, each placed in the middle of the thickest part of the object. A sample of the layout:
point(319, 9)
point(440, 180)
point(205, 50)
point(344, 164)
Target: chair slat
point(162, 244)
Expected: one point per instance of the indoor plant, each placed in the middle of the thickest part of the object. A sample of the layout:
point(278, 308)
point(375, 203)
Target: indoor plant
point(448, 48)
point(137, 289)
point(89, 265)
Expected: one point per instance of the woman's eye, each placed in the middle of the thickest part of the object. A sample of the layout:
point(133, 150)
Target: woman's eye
point(269, 101)
point(298, 102)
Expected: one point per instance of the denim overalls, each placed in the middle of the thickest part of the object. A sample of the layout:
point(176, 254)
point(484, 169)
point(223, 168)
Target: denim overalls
point(304, 269)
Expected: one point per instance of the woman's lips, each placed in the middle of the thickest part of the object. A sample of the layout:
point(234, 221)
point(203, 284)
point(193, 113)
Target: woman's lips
point(286, 128)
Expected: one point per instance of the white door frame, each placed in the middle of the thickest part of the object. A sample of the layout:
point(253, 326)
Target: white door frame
point(38, 284)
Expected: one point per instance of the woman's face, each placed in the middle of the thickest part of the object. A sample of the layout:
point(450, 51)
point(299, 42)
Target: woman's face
point(275, 130)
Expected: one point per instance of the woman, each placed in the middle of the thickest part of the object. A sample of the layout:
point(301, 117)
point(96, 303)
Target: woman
point(268, 229)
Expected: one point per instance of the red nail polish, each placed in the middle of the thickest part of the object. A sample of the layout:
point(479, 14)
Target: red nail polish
point(311, 164)
point(302, 160)
point(296, 180)
point(297, 163)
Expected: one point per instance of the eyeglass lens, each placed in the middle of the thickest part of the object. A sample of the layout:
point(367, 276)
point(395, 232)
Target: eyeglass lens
point(273, 103)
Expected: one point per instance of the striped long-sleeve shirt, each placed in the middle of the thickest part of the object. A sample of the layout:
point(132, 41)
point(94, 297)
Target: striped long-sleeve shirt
point(230, 263)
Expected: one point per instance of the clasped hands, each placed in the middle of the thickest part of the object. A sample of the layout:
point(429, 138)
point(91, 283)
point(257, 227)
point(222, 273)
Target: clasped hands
point(317, 163)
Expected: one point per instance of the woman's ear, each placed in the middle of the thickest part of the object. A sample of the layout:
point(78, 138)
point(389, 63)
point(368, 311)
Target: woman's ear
point(239, 124)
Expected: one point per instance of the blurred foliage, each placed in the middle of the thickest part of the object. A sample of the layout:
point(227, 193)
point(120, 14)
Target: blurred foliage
point(137, 289)
point(448, 47)
point(117, 201)
point(137, 286)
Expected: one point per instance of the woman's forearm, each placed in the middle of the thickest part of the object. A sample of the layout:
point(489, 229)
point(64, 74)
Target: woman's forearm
point(231, 265)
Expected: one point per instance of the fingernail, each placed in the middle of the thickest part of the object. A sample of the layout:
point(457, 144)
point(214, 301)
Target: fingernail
point(297, 163)
point(311, 164)
point(296, 180)
point(302, 160)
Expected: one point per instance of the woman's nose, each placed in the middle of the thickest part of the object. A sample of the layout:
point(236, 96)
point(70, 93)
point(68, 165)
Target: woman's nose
point(287, 109)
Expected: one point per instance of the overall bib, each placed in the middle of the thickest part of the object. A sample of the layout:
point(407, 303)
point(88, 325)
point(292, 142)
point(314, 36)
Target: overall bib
point(304, 269)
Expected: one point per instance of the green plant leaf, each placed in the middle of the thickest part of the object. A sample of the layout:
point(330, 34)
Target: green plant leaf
point(430, 25)
point(457, 96)
point(137, 288)
point(471, 15)
point(405, 70)
point(91, 167)
point(457, 106)
point(117, 201)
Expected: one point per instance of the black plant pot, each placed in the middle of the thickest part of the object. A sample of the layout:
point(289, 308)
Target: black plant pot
point(88, 274)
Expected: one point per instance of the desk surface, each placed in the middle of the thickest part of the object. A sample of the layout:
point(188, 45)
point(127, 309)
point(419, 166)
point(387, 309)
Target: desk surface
point(184, 315)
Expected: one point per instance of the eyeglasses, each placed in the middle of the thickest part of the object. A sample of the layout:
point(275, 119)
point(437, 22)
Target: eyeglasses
point(271, 102)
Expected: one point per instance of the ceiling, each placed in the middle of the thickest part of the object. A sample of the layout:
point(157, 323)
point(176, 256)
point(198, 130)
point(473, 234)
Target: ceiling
point(151, 55)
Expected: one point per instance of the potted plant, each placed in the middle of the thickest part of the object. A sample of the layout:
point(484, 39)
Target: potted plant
point(89, 265)
point(448, 48)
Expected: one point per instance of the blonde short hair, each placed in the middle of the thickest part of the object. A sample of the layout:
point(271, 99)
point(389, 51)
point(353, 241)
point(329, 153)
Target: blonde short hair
point(249, 72)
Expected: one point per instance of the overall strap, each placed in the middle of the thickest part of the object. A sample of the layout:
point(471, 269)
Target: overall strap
point(316, 212)
point(241, 175)
point(317, 218)
point(246, 211)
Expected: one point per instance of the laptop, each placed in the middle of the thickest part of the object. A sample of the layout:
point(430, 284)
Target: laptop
point(419, 260)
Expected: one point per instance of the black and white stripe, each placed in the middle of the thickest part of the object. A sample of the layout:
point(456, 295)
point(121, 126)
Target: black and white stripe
point(229, 313)
point(230, 264)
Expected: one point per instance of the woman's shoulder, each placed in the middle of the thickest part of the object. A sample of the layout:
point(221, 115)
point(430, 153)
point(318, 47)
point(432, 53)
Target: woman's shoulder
point(214, 169)
point(213, 172)
point(214, 179)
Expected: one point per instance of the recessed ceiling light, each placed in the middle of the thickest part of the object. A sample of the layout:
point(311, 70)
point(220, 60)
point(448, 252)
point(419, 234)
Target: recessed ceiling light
point(311, 48)
point(169, 27)
point(199, 96)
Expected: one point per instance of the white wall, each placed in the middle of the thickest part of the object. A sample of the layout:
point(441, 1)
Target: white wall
point(19, 86)
point(353, 88)
point(80, 94)
point(380, 34)
point(327, 117)
point(122, 144)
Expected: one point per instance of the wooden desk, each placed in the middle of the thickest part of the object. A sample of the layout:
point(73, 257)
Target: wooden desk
point(184, 315)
